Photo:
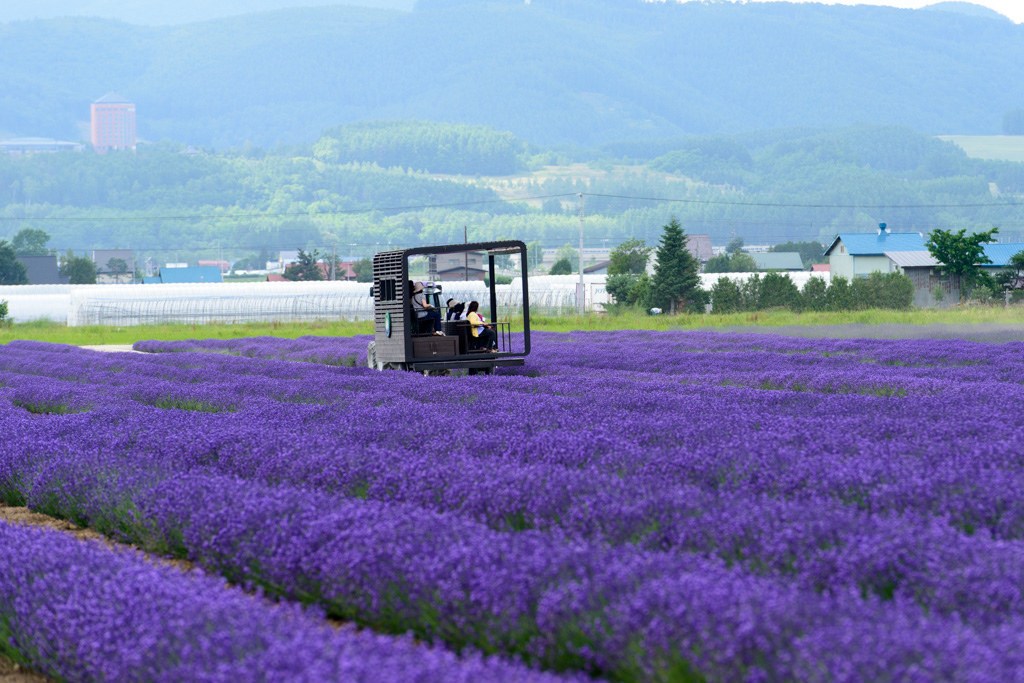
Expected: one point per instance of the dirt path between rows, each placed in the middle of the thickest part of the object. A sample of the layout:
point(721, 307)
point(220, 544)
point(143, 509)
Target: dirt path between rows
point(11, 672)
point(117, 348)
point(22, 515)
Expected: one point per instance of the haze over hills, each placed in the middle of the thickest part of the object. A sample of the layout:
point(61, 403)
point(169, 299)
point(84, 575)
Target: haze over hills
point(147, 12)
point(186, 11)
point(966, 8)
point(552, 72)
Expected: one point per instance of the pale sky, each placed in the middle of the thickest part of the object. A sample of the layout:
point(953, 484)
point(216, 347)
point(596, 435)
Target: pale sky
point(1014, 9)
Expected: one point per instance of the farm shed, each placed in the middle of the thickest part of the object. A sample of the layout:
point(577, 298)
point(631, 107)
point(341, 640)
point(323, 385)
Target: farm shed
point(105, 273)
point(920, 267)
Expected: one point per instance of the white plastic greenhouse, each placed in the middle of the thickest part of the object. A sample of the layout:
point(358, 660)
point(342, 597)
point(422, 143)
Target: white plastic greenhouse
point(799, 277)
point(126, 305)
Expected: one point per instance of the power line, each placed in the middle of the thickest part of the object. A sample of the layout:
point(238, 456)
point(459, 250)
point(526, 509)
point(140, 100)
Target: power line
point(283, 214)
point(484, 202)
point(776, 205)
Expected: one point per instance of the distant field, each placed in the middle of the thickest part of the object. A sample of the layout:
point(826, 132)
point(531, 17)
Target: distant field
point(519, 187)
point(999, 147)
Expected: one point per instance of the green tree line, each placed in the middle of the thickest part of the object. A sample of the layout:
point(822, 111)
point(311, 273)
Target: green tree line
point(777, 290)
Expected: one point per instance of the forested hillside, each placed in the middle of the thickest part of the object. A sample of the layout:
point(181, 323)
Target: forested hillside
point(434, 147)
point(174, 204)
point(553, 72)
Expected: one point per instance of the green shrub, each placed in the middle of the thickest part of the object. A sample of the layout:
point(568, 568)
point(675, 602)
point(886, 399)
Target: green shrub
point(814, 296)
point(561, 267)
point(726, 296)
point(882, 290)
point(839, 296)
point(750, 291)
point(778, 291)
point(629, 289)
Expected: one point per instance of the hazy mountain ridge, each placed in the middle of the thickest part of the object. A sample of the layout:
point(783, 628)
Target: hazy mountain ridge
point(552, 72)
point(967, 8)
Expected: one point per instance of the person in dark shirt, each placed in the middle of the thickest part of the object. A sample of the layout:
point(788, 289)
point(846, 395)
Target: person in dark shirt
point(455, 309)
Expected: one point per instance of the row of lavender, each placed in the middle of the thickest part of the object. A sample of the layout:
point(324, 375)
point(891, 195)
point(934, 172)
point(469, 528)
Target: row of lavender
point(80, 611)
point(658, 464)
point(921, 444)
point(561, 602)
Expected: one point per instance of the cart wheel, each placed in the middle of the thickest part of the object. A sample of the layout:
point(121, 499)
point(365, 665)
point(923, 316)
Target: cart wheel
point(371, 356)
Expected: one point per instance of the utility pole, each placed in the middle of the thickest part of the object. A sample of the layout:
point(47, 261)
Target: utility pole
point(580, 290)
point(465, 254)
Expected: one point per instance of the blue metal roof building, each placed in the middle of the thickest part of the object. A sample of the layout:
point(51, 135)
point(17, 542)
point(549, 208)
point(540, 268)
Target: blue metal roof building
point(854, 254)
point(1000, 254)
point(874, 244)
point(186, 275)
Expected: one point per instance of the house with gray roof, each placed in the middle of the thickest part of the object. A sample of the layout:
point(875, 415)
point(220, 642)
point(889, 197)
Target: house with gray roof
point(108, 263)
point(778, 260)
point(42, 270)
point(930, 288)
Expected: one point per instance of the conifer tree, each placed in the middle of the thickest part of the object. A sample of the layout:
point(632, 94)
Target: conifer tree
point(307, 267)
point(676, 283)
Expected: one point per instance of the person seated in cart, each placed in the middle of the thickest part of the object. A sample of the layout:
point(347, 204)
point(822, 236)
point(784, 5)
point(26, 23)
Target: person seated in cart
point(455, 309)
point(424, 309)
point(483, 334)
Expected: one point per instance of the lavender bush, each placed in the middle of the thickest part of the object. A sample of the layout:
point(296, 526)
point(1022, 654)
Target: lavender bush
point(79, 611)
point(637, 505)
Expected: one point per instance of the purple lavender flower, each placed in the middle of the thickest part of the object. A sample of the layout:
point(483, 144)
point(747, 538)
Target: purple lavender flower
point(727, 506)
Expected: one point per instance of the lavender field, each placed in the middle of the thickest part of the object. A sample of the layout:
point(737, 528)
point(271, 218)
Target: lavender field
point(629, 506)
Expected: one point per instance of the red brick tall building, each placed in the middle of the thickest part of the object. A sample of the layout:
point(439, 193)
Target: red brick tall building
point(113, 123)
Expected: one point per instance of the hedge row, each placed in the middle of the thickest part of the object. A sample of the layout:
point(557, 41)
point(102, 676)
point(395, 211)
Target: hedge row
point(777, 290)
